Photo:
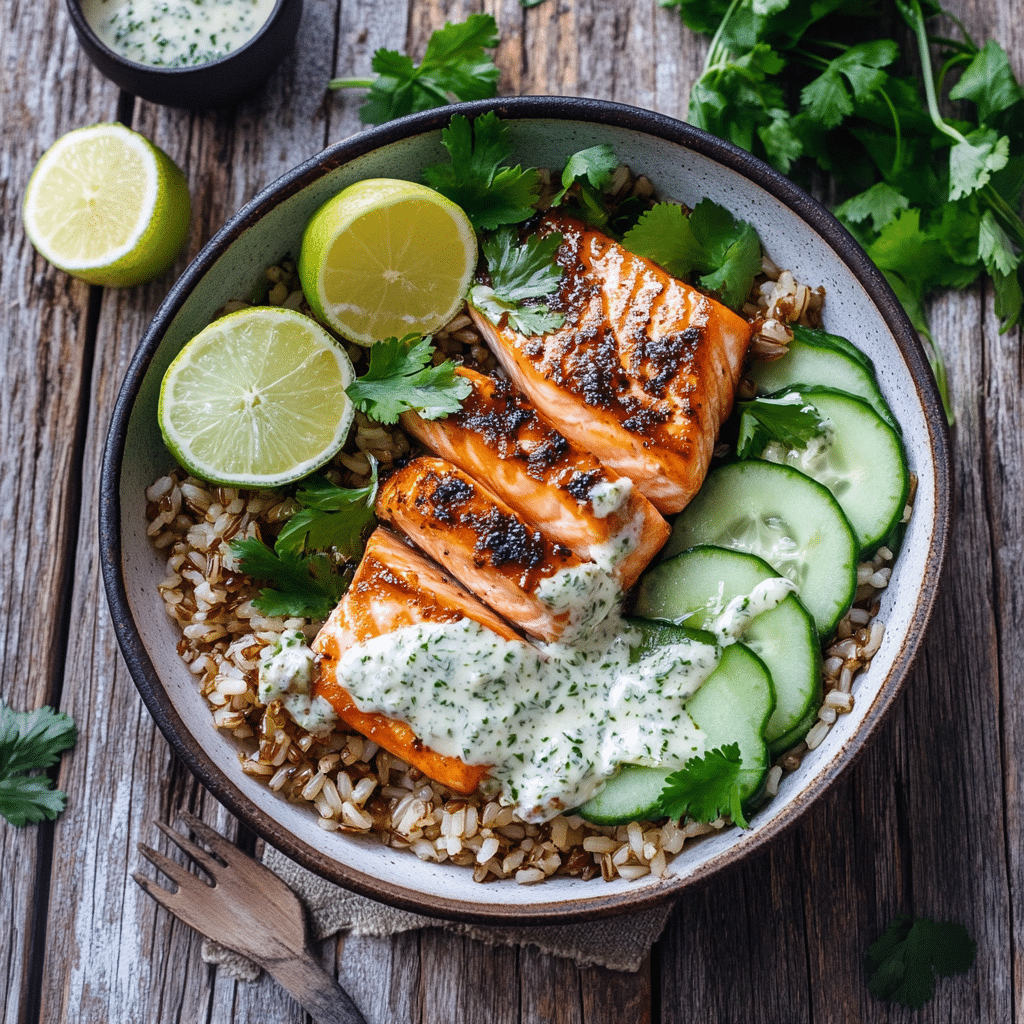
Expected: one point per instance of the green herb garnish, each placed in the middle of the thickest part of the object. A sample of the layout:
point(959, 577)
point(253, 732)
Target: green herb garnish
point(789, 420)
point(400, 378)
point(476, 177)
point(706, 788)
point(710, 246)
point(902, 964)
point(934, 200)
point(31, 741)
point(453, 66)
point(585, 174)
point(519, 271)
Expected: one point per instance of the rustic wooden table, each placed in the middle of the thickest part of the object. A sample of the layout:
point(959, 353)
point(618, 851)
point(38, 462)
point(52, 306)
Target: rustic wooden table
point(929, 821)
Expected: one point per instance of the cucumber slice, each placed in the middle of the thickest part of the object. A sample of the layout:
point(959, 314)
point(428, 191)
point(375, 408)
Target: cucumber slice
point(692, 589)
point(732, 706)
point(822, 339)
point(864, 465)
point(807, 364)
point(784, 517)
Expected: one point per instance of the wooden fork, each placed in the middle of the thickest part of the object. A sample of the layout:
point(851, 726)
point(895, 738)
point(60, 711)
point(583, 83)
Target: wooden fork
point(250, 910)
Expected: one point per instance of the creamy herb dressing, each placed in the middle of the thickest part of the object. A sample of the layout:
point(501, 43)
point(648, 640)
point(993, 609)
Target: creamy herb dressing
point(732, 620)
point(176, 33)
point(555, 720)
point(607, 496)
point(587, 592)
point(286, 674)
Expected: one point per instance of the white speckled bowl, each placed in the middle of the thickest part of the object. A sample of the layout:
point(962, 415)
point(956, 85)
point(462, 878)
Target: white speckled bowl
point(685, 164)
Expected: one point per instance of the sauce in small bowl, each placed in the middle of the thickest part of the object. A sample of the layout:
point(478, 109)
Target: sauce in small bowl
point(187, 53)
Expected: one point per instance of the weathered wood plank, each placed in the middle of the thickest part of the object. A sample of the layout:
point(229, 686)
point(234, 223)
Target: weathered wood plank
point(47, 348)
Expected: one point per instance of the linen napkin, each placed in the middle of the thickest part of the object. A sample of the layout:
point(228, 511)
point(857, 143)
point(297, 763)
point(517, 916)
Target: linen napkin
point(617, 943)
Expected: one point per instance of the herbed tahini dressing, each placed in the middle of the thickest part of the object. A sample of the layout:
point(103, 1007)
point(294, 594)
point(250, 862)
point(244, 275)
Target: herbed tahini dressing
point(176, 33)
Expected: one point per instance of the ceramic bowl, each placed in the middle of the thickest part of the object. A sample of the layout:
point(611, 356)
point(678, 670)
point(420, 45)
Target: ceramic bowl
point(684, 163)
point(212, 84)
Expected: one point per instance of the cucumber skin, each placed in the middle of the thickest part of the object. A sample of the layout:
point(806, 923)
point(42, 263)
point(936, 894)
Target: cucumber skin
point(634, 793)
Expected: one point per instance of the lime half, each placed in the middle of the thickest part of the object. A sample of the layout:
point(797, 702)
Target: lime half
point(107, 206)
point(386, 258)
point(257, 399)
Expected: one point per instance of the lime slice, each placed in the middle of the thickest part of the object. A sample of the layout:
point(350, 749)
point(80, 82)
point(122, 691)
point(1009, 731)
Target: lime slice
point(257, 399)
point(386, 258)
point(107, 206)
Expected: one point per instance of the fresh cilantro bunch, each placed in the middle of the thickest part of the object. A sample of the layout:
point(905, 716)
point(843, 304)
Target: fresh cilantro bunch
point(519, 271)
point(902, 964)
point(31, 741)
point(710, 246)
point(453, 66)
point(935, 200)
point(707, 787)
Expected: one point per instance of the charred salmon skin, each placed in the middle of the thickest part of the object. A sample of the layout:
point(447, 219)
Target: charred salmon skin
point(501, 440)
point(642, 372)
point(396, 586)
point(532, 581)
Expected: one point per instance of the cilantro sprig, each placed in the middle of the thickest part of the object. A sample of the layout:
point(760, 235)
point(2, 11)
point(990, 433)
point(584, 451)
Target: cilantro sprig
point(903, 963)
point(707, 787)
point(476, 176)
point(454, 66)
point(302, 576)
point(789, 420)
point(721, 252)
point(401, 377)
point(31, 741)
point(519, 272)
point(935, 200)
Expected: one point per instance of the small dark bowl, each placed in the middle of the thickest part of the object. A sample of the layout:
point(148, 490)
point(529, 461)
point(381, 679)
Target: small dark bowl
point(212, 84)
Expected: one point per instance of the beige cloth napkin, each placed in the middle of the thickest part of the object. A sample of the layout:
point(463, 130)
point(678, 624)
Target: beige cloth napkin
point(617, 943)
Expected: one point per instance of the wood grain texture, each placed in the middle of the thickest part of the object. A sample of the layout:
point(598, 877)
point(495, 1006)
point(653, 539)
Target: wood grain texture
point(928, 821)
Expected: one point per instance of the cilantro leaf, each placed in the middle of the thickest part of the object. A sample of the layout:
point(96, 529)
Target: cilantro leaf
point(454, 65)
point(519, 270)
point(31, 740)
point(974, 158)
point(789, 420)
point(878, 204)
point(330, 517)
point(827, 98)
point(584, 175)
point(903, 962)
point(302, 585)
point(988, 81)
point(492, 195)
point(400, 378)
point(721, 252)
point(706, 788)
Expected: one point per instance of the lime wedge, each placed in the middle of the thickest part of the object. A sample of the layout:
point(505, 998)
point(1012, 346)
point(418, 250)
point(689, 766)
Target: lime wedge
point(107, 206)
point(386, 258)
point(257, 399)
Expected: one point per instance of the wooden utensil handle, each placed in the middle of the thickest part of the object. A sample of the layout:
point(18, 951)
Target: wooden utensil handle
point(316, 991)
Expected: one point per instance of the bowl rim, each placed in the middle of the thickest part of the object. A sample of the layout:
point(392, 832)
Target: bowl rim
point(84, 28)
point(559, 108)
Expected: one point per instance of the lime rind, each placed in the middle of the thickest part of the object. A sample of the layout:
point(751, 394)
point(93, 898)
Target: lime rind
point(385, 258)
point(106, 205)
point(257, 399)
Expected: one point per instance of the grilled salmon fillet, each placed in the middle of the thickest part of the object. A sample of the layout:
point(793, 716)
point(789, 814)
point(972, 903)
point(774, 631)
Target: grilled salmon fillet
point(500, 439)
point(534, 582)
point(396, 586)
point(643, 371)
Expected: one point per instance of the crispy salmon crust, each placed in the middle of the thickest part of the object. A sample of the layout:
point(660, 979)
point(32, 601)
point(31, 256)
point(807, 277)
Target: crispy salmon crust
point(500, 439)
point(481, 541)
point(396, 586)
point(643, 371)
